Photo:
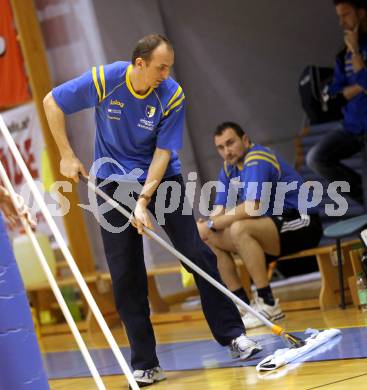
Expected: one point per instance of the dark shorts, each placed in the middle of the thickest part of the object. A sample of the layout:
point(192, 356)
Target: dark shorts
point(296, 232)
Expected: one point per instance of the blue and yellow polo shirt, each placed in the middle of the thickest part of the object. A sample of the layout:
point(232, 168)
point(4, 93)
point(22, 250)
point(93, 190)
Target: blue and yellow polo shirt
point(129, 127)
point(245, 181)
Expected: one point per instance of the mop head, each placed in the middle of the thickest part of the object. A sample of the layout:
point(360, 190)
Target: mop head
point(284, 356)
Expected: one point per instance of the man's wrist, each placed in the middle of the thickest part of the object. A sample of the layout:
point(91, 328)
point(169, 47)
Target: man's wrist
point(65, 150)
point(210, 225)
point(143, 200)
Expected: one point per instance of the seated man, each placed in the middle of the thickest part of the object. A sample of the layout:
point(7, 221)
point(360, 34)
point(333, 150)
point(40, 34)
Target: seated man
point(350, 80)
point(256, 226)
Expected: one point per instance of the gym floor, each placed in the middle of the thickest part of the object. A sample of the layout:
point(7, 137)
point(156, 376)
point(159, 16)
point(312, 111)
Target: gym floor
point(342, 367)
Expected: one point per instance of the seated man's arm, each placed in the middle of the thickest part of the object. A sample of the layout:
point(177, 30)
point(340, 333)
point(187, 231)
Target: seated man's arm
point(351, 39)
point(242, 211)
point(218, 209)
point(202, 223)
point(352, 42)
point(351, 91)
point(340, 82)
point(260, 167)
point(221, 194)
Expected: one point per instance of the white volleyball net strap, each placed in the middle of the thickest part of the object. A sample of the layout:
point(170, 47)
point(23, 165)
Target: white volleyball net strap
point(70, 261)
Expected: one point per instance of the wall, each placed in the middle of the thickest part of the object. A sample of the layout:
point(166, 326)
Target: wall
point(236, 59)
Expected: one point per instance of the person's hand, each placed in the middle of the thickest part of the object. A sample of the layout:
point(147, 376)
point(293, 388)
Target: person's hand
point(204, 231)
point(71, 166)
point(351, 40)
point(7, 207)
point(11, 212)
point(141, 216)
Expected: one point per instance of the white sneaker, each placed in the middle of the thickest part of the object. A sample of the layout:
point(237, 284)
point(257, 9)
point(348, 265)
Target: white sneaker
point(148, 377)
point(272, 313)
point(242, 347)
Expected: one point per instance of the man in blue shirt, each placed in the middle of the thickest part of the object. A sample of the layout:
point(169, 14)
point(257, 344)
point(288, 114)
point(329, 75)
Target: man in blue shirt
point(257, 214)
point(139, 113)
point(350, 80)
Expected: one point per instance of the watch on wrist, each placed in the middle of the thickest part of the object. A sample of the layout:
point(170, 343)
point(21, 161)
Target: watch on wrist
point(145, 197)
point(210, 225)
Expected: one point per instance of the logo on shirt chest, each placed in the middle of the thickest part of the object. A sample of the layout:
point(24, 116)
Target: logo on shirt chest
point(114, 109)
point(148, 124)
point(149, 111)
point(116, 103)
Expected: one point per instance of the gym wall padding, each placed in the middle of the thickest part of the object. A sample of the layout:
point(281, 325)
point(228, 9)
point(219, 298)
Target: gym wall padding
point(21, 366)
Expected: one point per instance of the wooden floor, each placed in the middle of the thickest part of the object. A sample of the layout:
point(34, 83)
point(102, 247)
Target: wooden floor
point(331, 375)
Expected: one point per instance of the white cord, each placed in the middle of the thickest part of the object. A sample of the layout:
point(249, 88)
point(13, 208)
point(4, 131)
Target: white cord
point(51, 279)
point(68, 257)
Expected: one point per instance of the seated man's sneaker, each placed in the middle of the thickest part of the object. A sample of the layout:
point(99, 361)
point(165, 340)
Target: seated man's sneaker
point(272, 313)
point(148, 377)
point(242, 347)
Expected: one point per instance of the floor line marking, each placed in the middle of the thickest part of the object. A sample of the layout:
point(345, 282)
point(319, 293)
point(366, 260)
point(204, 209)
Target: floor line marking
point(341, 380)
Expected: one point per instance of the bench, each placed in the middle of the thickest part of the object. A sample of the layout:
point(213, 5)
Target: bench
point(100, 286)
point(328, 267)
point(325, 256)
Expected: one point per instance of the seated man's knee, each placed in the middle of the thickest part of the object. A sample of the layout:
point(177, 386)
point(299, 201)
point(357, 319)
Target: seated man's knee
point(312, 158)
point(315, 158)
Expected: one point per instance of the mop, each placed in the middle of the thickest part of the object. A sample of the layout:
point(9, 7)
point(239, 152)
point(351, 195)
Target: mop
point(272, 373)
point(297, 347)
point(283, 356)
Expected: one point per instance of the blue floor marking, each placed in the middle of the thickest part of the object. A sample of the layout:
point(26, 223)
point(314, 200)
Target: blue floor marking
point(193, 355)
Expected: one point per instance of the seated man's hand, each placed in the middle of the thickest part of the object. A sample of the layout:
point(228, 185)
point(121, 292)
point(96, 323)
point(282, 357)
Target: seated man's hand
point(203, 229)
point(351, 40)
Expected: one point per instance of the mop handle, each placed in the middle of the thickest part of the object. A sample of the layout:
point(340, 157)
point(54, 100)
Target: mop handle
point(51, 279)
point(275, 328)
point(68, 256)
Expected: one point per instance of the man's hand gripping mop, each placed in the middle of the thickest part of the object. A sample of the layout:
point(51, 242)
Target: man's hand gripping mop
point(296, 346)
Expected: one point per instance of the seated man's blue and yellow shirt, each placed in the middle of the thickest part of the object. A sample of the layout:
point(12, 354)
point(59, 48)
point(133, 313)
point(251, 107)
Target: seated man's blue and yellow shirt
point(257, 178)
point(129, 127)
point(355, 110)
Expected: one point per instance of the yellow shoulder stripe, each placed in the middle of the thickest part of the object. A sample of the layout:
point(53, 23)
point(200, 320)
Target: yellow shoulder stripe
point(174, 105)
point(258, 157)
point(103, 82)
point(175, 95)
point(263, 153)
point(95, 80)
point(225, 169)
